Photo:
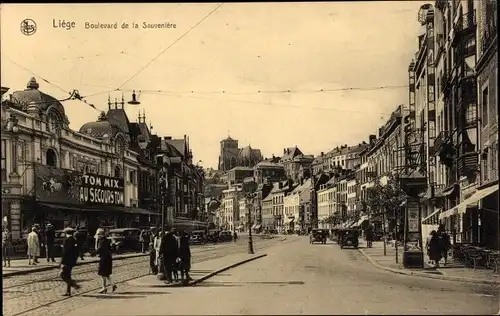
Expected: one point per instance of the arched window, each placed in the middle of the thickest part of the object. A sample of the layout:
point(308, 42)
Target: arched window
point(117, 172)
point(51, 157)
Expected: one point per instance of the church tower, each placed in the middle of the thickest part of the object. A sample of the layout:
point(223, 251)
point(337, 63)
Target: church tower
point(228, 153)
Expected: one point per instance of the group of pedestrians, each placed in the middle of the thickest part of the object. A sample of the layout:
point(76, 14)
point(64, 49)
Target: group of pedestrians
point(71, 253)
point(438, 245)
point(171, 249)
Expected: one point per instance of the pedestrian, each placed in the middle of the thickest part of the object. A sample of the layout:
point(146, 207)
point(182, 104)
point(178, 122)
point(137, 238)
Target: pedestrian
point(40, 240)
point(68, 260)
point(444, 242)
point(105, 269)
point(157, 248)
point(169, 248)
point(433, 249)
point(153, 267)
point(33, 246)
point(50, 236)
point(6, 246)
point(185, 257)
point(235, 236)
point(81, 238)
point(177, 262)
point(369, 236)
point(141, 240)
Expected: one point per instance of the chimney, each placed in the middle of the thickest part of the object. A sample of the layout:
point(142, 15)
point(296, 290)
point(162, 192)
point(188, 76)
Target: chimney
point(167, 137)
point(284, 151)
point(288, 151)
point(372, 139)
point(322, 154)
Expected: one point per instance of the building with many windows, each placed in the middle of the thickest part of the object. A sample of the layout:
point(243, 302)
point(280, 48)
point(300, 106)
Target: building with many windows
point(50, 173)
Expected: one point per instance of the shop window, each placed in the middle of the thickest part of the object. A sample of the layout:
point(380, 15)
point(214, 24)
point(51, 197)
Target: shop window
point(484, 107)
point(51, 157)
point(117, 172)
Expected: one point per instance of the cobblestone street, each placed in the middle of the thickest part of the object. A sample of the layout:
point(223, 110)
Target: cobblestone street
point(23, 295)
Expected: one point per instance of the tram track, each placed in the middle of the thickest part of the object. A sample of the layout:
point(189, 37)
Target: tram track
point(122, 274)
point(82, 269)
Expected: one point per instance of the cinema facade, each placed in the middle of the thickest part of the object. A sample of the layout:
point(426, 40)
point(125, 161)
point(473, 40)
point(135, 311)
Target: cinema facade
point(51, 173)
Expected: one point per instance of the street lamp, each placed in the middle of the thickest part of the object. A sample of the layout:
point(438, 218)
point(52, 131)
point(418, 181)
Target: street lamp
point(250, 198)
point(14, 129)
point(164, 162)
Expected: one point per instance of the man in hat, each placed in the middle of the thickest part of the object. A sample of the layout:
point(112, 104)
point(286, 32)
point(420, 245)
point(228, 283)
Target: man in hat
point(169, 249)
point(68, 260)
point(50, 236)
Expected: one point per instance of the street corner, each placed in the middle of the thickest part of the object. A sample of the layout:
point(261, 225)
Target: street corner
point(204, 272)
point(429, 273)
point(152, 281)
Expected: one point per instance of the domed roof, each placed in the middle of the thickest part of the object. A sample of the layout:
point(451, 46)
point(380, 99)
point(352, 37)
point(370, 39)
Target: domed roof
point(100, 129)
point(31, 95)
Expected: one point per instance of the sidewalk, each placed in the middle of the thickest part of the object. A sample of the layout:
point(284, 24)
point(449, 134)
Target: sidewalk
point(21, 267)
point(452, 271)
point(202, 270)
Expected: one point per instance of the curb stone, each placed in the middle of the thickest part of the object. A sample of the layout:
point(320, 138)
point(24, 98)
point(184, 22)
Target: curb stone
point(205, 277)
point(428, 275)
point(80, 263)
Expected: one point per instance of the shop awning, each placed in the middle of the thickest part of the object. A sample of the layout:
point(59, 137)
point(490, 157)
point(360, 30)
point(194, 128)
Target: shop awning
point(62, 207)
point(472, 201)
point(363, 219)
point(240, 227)
point(432, 218)
point(346, 224)
point(104, 208)
point(129, 210)
point(254, 226)
point(288, 220)
point(258, 226)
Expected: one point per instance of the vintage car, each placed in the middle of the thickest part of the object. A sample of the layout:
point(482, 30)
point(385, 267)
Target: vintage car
point(318, 235)
point(226, 236)
point(349, 238)
point(197, 237)
point(123, 239)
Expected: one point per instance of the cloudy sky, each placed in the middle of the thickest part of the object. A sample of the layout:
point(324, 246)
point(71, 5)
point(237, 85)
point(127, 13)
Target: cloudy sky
point(230, 74)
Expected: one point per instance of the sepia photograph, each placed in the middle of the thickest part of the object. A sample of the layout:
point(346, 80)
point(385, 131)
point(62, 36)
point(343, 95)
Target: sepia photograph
point(250, 158)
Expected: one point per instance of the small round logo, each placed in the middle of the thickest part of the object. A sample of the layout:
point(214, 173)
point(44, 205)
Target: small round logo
point(28, 27)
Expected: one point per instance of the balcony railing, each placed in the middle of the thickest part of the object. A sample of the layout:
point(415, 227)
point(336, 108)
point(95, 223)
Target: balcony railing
point(489, 34)
point(467, 163)
point(466, 22)
point(441, 138)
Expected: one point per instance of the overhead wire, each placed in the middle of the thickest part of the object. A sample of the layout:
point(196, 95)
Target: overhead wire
point(172, 44)
point(271, 104)
point(281, 91)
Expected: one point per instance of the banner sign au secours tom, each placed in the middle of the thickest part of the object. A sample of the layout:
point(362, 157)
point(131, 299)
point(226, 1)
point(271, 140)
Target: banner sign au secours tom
point(97, 189)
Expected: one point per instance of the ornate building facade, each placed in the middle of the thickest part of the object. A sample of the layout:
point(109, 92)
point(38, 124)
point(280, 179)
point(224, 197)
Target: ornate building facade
point(51, 173)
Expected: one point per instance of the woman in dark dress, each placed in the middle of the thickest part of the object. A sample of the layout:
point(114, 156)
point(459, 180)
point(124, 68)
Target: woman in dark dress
point(434, 250)
point(103, 249)
point(185, 257)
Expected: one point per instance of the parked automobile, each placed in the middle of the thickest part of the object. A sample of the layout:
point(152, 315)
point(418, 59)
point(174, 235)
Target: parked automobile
point(198, 237)
point(213, 235)
point(124, 239)
point(226, 236)
point(349, 238)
